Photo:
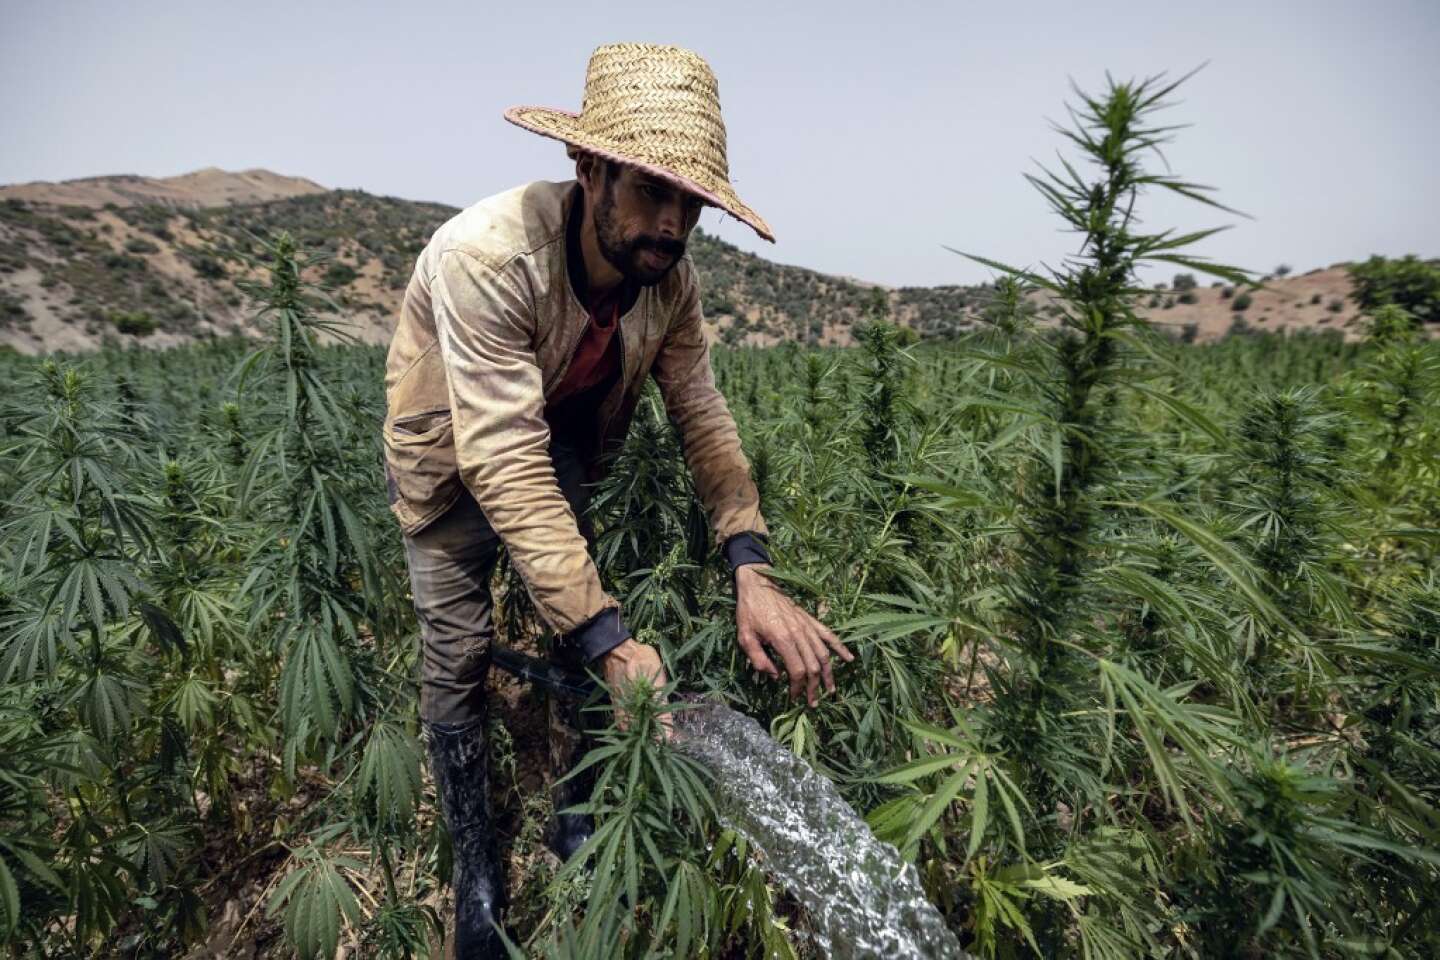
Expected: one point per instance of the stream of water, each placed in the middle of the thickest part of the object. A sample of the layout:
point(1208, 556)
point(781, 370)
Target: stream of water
point(864, 899)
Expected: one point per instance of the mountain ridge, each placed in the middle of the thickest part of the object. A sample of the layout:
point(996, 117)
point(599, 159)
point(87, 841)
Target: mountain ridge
point(206, 187)
point(162, 261)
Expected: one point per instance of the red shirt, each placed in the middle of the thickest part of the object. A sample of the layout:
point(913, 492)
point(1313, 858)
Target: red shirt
point(597, 357)
point(595, 365)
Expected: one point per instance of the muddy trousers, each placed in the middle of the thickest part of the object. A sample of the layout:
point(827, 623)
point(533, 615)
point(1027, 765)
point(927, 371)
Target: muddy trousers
point(451, 562)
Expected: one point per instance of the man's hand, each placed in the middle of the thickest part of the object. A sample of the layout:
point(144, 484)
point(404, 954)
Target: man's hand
point(764, 615)
point(622, 665)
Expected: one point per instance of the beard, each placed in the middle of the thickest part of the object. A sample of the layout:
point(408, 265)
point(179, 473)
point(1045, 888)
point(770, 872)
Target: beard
point(627, 256)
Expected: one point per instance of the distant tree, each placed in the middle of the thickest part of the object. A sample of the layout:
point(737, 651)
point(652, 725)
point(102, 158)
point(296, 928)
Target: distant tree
point(1184, 281)
point(1282, 270)
point(1408, 282)
point(1242, 302)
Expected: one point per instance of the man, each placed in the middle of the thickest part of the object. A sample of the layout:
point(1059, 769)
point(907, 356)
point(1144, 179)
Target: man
point(526, 334)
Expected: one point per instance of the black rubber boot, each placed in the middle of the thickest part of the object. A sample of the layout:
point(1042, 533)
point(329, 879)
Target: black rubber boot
point(460, 764)
point(568, 744)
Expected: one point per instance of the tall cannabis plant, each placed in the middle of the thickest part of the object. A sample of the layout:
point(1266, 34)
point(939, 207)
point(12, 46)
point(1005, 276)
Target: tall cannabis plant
point(1060, 680)
point(1102, 348)
point(314, 593)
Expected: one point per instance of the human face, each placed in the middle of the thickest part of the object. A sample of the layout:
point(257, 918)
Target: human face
point(642, 223)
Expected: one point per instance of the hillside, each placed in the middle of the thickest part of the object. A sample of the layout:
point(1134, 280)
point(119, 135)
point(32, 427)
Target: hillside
point(162, 261)
point(210, 187)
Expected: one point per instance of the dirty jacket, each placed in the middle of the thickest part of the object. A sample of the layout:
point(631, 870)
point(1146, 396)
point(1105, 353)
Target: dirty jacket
point(487, 329)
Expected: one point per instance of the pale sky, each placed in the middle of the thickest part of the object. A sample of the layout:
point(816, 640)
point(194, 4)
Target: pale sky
point(866, 134)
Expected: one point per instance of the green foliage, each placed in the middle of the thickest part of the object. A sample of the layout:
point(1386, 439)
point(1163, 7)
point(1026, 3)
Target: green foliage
point(1408, 282)
point(653, 806)
point(1145, 632)
point(316, 898)
point(174, 614)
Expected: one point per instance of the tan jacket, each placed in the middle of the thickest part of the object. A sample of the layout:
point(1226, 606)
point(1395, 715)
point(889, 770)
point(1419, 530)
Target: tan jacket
point(486, 331)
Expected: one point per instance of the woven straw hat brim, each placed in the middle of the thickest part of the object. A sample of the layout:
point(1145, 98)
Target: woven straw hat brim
point(564, 126)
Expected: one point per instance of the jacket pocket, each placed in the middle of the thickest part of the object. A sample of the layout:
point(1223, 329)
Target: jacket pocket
point(420, 454)
point(421, 427)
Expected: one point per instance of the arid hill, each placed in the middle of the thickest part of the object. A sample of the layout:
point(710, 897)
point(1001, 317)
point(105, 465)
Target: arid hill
point(163, 261)
point(210, 187)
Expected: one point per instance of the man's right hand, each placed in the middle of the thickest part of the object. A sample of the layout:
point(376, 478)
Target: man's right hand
point(622, 665)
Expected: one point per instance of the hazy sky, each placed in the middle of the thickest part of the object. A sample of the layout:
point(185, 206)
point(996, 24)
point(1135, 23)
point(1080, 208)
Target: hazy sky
point(867, 134)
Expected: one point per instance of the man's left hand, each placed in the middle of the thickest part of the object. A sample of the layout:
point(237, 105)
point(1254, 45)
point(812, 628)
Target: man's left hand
point(764, 615)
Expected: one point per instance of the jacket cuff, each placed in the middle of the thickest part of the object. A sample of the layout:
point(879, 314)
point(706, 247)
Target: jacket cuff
point(599, 635)
point(746, 547)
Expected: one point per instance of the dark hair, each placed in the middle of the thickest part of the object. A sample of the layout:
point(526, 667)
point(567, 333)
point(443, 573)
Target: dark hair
point(612, 168)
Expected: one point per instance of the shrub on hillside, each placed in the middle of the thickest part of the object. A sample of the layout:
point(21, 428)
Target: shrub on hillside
point(12, 310)
point(121, 261)
point(338, 274)
point(207, 266)
point(1241, 302)
point(136, 323)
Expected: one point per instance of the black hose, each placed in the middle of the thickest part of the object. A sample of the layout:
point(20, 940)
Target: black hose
point(566, 683)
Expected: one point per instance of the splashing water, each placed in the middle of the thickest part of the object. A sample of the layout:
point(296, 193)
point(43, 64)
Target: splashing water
point(866, 901)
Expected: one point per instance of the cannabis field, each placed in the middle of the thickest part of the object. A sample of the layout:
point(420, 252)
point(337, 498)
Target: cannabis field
point(1147, 633)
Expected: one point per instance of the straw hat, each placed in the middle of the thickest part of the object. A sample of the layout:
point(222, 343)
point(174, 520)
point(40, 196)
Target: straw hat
point(656, 107)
